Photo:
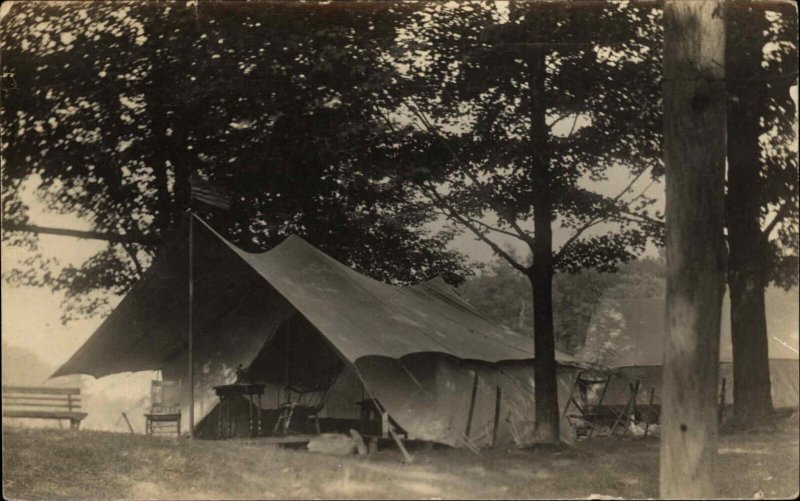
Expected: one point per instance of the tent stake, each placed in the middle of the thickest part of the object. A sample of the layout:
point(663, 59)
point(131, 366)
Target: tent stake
point(126, 420)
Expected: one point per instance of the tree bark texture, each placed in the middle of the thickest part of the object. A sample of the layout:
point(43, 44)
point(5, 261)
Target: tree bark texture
point(541, 272)
point(751, 383)
point(694, 142)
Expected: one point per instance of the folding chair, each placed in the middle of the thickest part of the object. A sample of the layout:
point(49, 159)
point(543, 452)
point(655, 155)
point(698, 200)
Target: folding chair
point(625, 415)
point(585, 420)
point(600, 418)
point(305, 399)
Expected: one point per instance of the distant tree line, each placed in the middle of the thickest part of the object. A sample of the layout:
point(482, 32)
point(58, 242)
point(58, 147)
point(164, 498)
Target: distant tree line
point(503, 295)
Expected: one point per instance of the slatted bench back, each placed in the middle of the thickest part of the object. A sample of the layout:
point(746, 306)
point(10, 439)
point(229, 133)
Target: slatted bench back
point(41, 398)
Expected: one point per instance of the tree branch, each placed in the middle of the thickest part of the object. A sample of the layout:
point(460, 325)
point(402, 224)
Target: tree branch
point(132, 254)
point(453, 214)
point(782, 212)
point(498, 230)
point(603, 216)
point(92, 235)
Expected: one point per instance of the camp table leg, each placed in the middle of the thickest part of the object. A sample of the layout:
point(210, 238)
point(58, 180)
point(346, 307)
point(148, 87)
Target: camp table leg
point(278, 422)
point(385, 425)
point(230, 424)
point(259, 414)
point(250, 414)
point(220, 418)
point(288, 422)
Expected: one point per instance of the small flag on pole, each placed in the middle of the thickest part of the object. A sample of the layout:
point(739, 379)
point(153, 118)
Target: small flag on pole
point(207, 193)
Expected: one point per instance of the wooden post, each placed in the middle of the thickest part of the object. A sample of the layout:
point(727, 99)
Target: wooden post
point(287, 368)
point(649, 411)
point(694, 146)
point(191, 315)
point(721, 410)
point(471, 405)
point(399, 443)
point(635, 389)
point(499, 394)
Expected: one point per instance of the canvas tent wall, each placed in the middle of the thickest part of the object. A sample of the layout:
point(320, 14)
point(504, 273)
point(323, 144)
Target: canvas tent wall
point(380, 331)
point(627, 336)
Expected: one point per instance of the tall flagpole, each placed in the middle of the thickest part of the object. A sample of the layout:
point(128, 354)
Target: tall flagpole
point(191, 314)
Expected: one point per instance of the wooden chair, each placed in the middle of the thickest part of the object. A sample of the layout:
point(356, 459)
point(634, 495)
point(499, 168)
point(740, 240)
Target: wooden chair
point(306, 399)
point(33, 402)
point(164, 415)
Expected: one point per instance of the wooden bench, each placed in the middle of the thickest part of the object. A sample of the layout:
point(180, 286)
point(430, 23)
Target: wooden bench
point(43, 403)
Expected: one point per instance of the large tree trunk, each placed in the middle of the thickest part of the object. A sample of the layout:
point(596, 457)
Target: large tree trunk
point(694, 136)
point(752, 392)
point(541, 272)
point(544, 366)
point(746, 100)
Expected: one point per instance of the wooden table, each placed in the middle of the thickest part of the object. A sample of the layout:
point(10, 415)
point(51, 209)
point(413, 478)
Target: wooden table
point(229, 393)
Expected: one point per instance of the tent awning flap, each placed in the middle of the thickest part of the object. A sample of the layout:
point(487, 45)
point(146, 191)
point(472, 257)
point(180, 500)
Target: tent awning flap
point(358, 315)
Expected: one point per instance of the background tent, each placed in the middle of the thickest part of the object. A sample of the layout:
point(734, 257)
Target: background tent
point(416, 349)
point(628, 335)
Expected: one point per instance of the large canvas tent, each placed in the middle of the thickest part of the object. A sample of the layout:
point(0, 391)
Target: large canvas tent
point(627, 336)
point(295, 312)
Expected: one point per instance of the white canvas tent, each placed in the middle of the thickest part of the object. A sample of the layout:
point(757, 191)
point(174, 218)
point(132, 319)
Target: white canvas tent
point(628, 337)
point(415, 348)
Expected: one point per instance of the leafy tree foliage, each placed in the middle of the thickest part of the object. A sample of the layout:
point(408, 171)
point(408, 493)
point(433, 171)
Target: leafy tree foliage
point(107, 107)
point(511, 109)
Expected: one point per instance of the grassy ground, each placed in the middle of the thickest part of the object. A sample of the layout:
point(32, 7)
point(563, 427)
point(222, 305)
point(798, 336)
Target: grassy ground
point(47, 464)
